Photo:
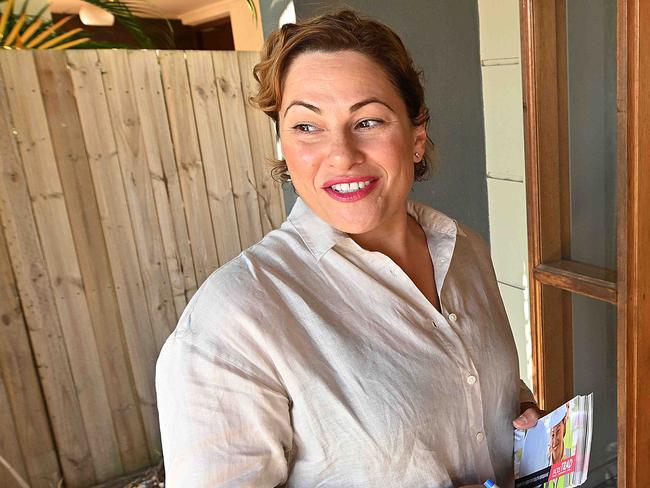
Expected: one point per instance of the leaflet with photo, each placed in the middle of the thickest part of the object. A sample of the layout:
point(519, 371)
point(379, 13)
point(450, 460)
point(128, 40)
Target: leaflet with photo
point(555, 453)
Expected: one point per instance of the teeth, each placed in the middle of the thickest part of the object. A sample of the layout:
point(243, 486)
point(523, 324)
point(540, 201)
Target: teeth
point(350, 187)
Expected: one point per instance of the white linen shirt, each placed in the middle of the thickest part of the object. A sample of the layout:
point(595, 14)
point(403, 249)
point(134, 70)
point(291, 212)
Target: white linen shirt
point(308, 362)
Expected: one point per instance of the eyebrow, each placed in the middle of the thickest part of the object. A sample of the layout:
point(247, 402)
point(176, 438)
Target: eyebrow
point(353, 108)
point(366, 101)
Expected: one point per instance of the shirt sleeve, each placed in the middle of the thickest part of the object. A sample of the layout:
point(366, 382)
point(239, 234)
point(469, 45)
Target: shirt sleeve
point(525, 395)
point(223, 422)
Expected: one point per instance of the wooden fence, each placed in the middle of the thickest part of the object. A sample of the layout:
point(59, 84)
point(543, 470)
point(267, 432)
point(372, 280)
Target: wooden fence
point(126, 178)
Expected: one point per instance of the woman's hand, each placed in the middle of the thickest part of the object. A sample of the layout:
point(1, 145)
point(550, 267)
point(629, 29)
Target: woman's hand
point(528, 419)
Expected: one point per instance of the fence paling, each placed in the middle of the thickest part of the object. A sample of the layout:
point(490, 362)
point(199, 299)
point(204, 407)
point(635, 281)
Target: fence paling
point(116, 225)
point(120, 95)
point(262, 141)
point(189, 163)
point(72, 159)
point(36, 295)
point(213, 148)
point(238, 147)
point(25, 439)
point(127, 179)
point(145, 73)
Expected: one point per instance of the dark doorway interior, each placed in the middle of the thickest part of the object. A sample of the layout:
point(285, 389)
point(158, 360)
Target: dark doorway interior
point(215, 35)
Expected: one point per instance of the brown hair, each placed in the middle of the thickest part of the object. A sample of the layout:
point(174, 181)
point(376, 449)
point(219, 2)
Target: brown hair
point(343, 30)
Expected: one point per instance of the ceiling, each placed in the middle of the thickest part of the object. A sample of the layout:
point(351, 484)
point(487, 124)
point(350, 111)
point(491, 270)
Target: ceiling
point(170, 9)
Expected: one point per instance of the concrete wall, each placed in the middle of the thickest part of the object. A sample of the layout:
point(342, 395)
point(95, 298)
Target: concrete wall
point(443, 39)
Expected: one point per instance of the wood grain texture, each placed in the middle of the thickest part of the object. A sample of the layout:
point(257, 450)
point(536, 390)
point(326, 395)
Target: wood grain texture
point(262, 141)
point(159, 150)
point(633, 223)
point(634, 260)
point(51, 216)
point(8, 440)
point(584, 279)
point(121, 99)
point(552, 376)
point(90, 248)
point(37, 298)
point(108, 226)
point(190, 164)
point(34, 444)
point(210, 129)
point(240, 158)
point(622, 234)
point(89, 92)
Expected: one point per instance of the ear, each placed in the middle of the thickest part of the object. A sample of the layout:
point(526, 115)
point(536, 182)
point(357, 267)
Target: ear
point(419, 139)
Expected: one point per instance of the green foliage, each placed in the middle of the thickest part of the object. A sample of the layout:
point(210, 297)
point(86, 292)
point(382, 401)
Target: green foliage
point(22, 31)
point(128, 12)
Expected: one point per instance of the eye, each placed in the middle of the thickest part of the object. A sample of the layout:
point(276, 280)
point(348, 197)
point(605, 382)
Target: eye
point(307, 128)
point(369, 123)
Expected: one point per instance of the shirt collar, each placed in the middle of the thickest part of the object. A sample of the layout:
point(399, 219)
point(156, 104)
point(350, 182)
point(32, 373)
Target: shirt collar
point(320, 237)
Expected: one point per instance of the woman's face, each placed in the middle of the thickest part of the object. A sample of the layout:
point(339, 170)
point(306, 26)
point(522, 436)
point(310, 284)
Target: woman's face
point(556, 447)
point(348, 140)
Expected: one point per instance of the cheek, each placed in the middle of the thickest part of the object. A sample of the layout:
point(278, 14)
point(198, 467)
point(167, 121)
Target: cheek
point(302, 157)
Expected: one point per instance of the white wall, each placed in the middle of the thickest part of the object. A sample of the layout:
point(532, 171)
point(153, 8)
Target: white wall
point(504, 151)
point(246, 30)
point(32, 7)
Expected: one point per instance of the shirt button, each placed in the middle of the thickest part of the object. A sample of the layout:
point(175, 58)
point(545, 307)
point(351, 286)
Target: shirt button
point(453, 317)
point(480, 436)
point(442, 260)
point(471, 379)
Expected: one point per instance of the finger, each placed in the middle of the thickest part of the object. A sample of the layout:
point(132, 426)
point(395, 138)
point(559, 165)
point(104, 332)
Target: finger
point(526, 420)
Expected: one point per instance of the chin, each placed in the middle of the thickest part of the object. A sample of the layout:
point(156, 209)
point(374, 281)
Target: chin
point(352, 226)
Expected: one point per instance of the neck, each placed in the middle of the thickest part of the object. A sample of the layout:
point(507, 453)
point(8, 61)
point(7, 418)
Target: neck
point(404, 232)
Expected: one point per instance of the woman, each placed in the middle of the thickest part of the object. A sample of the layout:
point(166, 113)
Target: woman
point(364, 343)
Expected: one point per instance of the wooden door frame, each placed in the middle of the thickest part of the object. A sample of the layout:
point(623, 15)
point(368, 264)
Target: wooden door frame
point(633, 338)
point(552, 276)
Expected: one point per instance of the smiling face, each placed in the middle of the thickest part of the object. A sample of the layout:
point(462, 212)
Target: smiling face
point(348, 141)
point(556, 447)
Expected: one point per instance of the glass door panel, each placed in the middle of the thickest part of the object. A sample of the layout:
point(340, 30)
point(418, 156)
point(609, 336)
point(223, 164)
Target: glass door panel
point(594, 370)
point(591, 107)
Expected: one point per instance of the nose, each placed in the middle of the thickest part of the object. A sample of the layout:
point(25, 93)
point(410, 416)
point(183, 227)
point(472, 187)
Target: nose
point(344, 151)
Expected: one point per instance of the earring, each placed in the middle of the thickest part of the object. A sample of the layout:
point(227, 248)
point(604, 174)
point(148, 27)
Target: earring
point(417, 156)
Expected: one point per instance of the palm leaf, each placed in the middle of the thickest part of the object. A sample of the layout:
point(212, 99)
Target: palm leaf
point(128, 13)
point(252, 8)
point(19, 30)
point(61, 37)
point(73, 43)
point(13, 33)
point(47, 32)
point(31, 30)
point(4, 20)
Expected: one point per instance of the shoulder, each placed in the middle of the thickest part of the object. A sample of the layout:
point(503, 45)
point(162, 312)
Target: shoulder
point(240, 296)
point(236, 314)
point(473, 239)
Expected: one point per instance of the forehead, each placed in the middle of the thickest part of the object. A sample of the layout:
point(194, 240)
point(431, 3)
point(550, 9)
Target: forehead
point(336, 77)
